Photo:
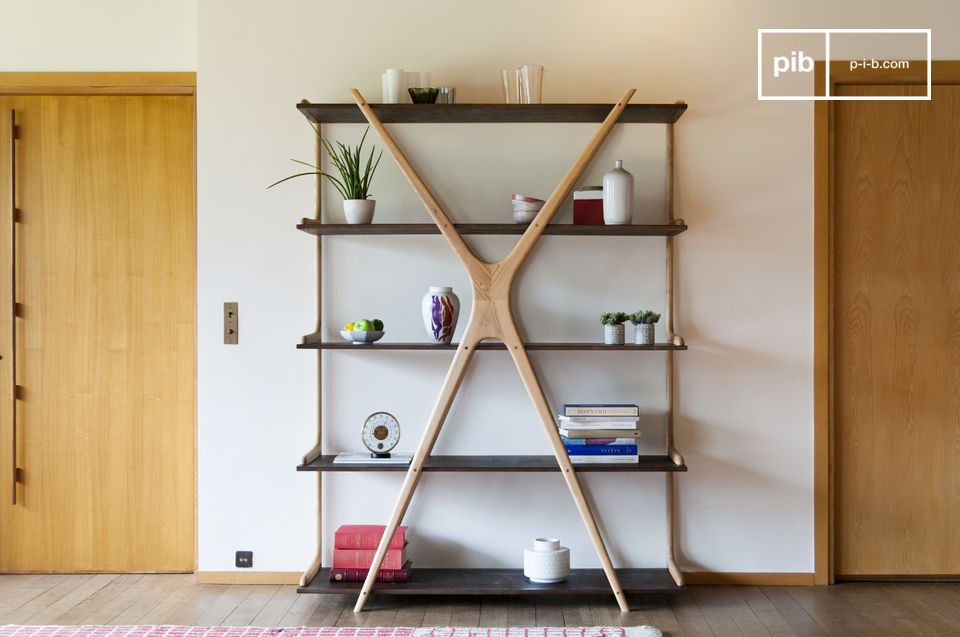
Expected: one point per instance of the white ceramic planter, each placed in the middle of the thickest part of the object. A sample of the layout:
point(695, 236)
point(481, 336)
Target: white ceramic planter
point(441, 309)
point(547, 562)
point(358, 210)
point(613, 334)
point(643, 334)
point(617, 196)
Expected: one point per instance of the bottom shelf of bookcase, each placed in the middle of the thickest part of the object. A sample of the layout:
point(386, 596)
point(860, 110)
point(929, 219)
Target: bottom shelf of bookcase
point(502, 581)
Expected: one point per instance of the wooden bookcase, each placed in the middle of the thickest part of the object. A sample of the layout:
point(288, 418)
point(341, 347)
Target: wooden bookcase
point(501, 581)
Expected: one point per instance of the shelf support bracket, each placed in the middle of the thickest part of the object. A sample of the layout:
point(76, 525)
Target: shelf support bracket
point(492, 318)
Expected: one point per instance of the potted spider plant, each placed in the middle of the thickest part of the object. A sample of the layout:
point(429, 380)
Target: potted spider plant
point(355, 177)
point(644, 325)
point(613, 327)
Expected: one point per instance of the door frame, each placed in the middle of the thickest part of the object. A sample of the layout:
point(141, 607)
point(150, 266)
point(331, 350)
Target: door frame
point(942, 72)
point(123, 83)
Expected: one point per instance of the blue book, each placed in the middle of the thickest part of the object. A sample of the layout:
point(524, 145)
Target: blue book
point(601, 409)
point(602, 450)
point(579, 442)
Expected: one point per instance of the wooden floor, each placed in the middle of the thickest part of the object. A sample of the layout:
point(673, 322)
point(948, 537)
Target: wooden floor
point(868, 610)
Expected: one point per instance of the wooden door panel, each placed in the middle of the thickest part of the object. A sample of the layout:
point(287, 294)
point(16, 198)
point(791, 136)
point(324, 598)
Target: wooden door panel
point(106, 338)
point(897, 333)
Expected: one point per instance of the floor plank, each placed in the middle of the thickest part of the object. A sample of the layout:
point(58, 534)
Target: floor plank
point(57, 600)
point(717, 615)
point(792, 612)
point(688, 615)
point(274, 610)
point(107, 595)
point(250, 606)
point(148, 594)
point(549, 611)
point(466, 612)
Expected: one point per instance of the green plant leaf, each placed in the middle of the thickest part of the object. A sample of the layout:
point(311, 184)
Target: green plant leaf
point(354, 180)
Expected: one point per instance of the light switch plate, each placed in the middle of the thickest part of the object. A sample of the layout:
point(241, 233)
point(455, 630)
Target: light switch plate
point(231, 323)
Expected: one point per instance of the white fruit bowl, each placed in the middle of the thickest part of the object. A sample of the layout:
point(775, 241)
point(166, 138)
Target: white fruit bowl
point(358, 337)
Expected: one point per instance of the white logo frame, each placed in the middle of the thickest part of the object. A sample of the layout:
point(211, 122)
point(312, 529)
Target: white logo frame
point(826, 33)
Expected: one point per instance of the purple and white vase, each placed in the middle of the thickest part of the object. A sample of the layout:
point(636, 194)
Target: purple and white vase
point(441, 308)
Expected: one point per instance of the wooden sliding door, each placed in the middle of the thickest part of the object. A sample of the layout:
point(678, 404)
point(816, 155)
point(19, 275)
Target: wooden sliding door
point(896, 333)
point(105, 334)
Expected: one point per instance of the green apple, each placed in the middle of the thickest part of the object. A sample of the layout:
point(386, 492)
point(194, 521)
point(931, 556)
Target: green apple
point(378, 325)
point(363, 325)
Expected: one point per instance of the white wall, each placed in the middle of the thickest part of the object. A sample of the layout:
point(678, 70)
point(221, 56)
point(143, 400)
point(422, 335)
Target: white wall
point(745, 272)
point(98, 35)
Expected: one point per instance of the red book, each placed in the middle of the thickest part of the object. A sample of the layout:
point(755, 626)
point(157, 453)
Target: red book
point(385, 576)
point(363, 558)
point(366, 536)
point(588, 206)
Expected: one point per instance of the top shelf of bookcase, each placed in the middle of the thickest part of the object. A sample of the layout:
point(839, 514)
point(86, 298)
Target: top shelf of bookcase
point(491, 113)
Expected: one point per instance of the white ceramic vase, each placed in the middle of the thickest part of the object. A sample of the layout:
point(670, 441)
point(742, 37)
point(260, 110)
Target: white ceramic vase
point(643, 334)
point(613, 334)
point(617, 196)
point(358, 210)
point(547, 562)
point(441, 309)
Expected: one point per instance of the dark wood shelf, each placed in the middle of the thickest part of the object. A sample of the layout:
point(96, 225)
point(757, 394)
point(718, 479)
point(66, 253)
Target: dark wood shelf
point(491, 113)
point(502, 581)
point(311, 226)
point(493, 345)
point(516, 464)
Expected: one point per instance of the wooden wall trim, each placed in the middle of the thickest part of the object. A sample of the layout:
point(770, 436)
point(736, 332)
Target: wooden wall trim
point(248, 577)
point(943, 72)
point(711, 578)
point(131, 83)
point(822, 436)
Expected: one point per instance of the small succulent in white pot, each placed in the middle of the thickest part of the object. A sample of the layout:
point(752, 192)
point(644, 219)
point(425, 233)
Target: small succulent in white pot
point(355, 177)
point(644, 326)
point(613, 327)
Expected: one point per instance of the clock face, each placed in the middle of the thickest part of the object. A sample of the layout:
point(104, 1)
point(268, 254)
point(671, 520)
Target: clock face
point(381, 432)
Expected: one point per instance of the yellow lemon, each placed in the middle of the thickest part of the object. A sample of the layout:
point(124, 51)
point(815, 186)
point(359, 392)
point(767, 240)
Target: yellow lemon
point(348, 327)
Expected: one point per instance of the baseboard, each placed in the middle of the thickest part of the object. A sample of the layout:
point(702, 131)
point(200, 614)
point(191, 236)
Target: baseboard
point(248, 577)
point(711, 578)
point(703, 578)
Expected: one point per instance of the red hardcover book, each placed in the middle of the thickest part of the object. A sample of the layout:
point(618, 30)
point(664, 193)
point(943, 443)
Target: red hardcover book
point(385, 576)
point(366, 536)
point(363, 558)
point(588, 206)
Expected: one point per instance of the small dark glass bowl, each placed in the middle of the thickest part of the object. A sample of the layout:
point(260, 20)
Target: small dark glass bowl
point(424, 95)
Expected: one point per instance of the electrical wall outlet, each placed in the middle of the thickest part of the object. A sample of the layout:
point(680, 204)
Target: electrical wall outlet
point(244, 559)
point(231, 323)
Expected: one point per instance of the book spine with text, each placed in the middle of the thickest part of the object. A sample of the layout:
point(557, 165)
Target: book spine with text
point(601, 410)
point(602, 450)
point(604, 459)
point(366, 536)
point(598, 423)
point(598, 441)
point(385, 576)
point(363, 558)
point(574, 434)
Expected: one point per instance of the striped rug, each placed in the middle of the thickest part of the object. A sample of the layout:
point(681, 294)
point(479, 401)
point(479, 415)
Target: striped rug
point(227, 631)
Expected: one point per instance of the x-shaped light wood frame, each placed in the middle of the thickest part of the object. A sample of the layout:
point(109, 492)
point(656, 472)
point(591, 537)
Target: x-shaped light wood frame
point(492, 318)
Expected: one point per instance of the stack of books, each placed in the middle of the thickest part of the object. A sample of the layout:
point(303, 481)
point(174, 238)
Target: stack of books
point(354, 546)
point(600, 433)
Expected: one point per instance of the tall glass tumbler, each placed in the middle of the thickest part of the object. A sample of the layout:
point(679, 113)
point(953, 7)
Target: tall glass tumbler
point(511, 86)
point(532, 83)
